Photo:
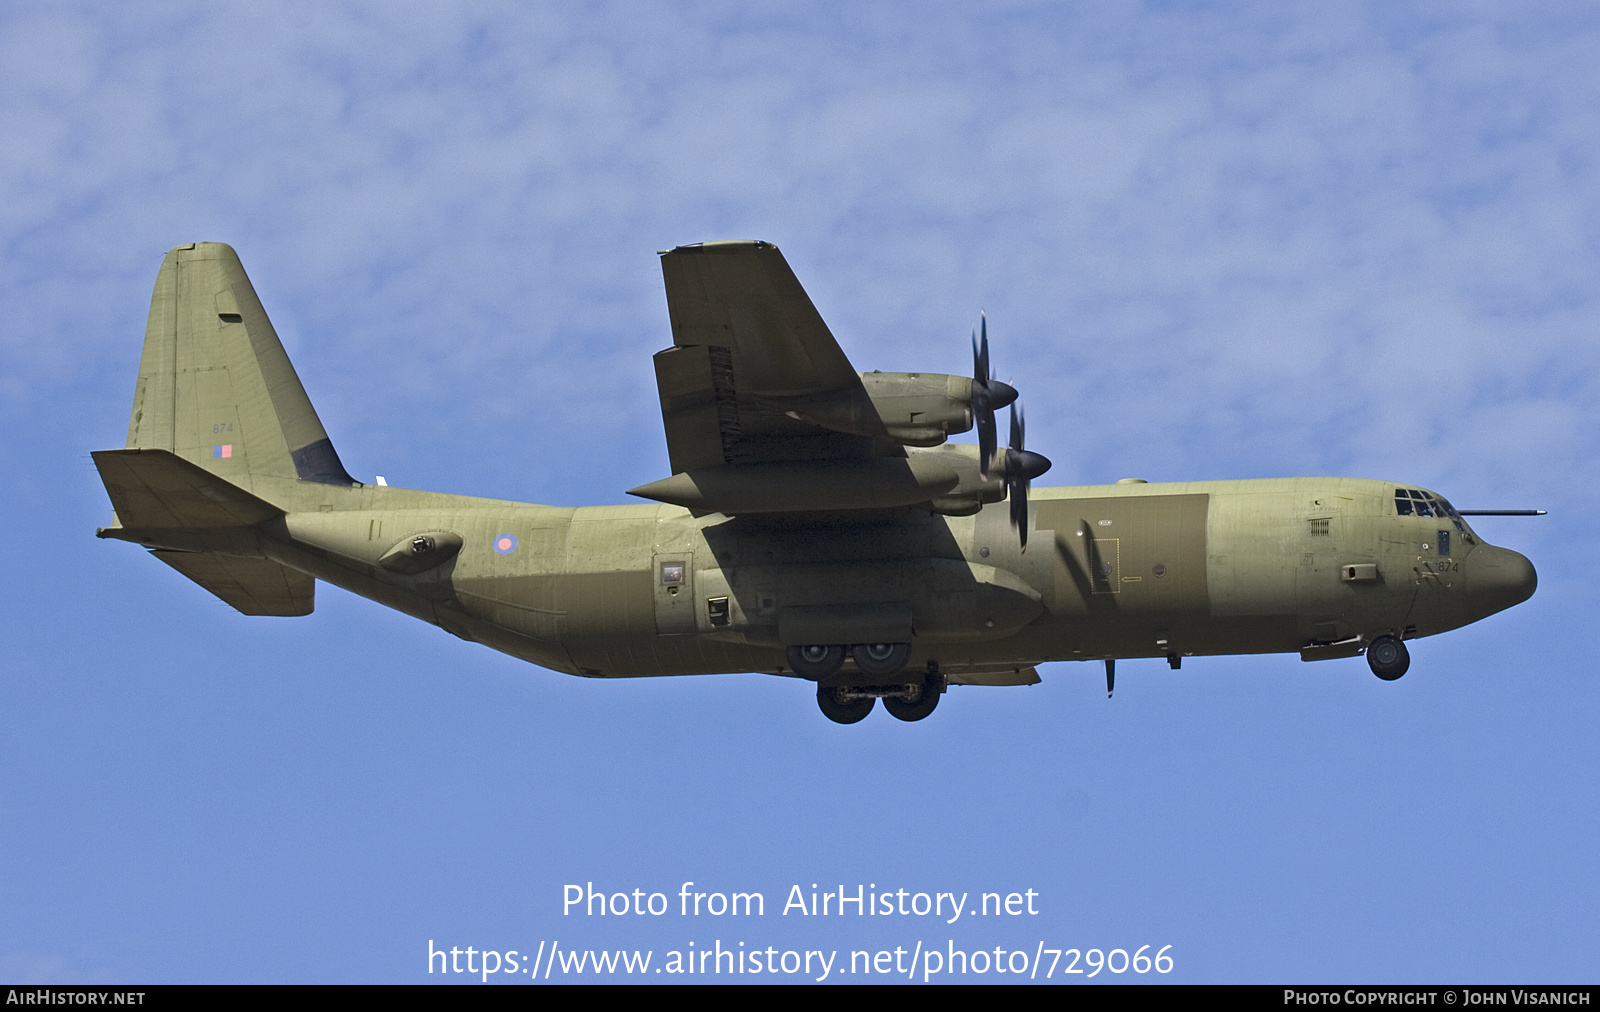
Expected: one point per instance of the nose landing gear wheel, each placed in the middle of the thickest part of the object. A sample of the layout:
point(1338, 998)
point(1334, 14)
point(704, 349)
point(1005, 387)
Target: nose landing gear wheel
point(840, 710)
point(925, 698)
point(881, 659)
point(1388, 658)
point(816, 661)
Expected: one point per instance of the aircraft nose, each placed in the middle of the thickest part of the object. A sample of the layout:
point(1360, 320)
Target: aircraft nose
point(1499, 577)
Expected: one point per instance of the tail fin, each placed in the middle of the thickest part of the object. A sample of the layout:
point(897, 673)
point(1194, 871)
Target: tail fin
point(215, 386)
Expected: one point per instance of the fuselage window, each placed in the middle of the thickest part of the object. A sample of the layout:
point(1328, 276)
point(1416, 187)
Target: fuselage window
point(1444, 542)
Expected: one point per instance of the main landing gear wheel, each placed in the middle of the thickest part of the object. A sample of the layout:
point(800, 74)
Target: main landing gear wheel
point(840, 710)
point(1388, 658)
point(923, 699)
point(816, 662)
point(881, 659)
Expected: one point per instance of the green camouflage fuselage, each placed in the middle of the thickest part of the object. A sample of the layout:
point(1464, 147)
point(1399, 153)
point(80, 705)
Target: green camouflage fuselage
point(229, 477)
point(1195, 568)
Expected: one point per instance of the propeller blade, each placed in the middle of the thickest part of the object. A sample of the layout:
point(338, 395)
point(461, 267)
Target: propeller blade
point(986, 441)
point(1017, 476)
point(982, 409)
point(1022, 466)
point(1111, 675)
point(980, 366)
point(988, 396)
point(1018, 493)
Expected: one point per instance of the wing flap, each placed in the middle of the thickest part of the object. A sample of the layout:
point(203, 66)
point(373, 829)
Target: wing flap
point(252, 586)
point(754, 375)
point(696, 433)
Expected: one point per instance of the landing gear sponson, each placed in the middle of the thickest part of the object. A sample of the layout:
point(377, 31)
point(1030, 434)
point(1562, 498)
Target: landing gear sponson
point(845, 704)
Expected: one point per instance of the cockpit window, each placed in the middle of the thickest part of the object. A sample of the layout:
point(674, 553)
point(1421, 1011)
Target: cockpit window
point(1410, 502)
point(1415, 502)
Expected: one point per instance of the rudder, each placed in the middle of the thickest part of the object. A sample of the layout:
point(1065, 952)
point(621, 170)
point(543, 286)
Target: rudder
point(215, 385)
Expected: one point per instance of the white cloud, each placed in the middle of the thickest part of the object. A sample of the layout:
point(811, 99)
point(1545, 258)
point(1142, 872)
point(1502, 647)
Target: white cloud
point(1208, 240)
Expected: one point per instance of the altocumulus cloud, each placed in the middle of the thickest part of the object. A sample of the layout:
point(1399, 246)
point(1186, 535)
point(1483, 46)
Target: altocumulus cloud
point(1211, 242)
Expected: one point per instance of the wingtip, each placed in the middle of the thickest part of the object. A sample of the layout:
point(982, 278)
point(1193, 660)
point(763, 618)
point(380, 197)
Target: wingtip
point(717, 244)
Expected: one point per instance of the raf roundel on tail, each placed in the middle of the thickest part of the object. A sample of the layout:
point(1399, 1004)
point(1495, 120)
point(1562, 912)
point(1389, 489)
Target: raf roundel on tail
point(817, 523)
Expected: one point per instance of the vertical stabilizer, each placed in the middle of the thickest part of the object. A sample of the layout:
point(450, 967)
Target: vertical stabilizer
point(215, 386)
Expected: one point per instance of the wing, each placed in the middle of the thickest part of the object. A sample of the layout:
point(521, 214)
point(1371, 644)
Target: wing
point(754, 375)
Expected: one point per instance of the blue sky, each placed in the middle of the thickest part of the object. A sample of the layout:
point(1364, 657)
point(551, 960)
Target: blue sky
point(1213, 242)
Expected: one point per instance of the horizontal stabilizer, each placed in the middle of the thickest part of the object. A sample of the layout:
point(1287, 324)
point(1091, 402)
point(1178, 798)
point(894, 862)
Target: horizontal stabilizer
point(156, 489)
point(253, 586)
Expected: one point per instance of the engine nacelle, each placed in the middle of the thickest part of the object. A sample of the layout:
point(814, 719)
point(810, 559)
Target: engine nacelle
point(911, 408)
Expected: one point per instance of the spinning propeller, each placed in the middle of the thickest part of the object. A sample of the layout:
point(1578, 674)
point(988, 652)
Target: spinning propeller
point(988, 396)
point(1022, 466)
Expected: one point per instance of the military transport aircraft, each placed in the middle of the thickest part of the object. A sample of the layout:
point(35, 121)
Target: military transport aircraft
point(816, 524)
